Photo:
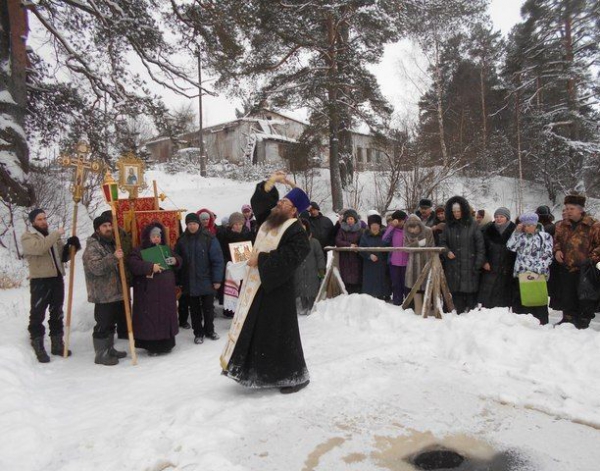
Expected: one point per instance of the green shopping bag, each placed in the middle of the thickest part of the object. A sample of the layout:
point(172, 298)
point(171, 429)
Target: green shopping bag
point(534, 289)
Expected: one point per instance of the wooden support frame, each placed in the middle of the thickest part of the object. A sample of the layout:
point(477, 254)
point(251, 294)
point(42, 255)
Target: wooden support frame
point(436, 285)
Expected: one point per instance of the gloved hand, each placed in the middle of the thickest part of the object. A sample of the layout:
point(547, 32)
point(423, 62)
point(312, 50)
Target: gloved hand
point(171, 261)
point(74, 241)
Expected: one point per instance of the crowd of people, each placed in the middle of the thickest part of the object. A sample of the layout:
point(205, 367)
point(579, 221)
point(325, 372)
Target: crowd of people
point(489, 261)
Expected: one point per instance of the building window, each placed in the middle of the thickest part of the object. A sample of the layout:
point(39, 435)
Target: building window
point(369, 155)
point(359, 154)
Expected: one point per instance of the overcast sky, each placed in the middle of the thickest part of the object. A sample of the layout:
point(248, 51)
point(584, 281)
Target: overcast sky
point(398, 73)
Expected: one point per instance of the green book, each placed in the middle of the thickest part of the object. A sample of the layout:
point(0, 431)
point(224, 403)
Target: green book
point(157, 254)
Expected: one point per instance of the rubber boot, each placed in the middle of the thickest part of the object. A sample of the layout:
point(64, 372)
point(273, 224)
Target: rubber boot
point(57, 345)
point(40, 352)
point(112, 351)
point(103, 357)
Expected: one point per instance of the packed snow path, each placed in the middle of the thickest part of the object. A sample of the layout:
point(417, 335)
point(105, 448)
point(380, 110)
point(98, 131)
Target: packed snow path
point(384, 383)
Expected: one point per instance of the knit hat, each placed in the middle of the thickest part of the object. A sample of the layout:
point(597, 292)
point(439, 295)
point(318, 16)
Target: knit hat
point(400, 215)
point(246, 207)
point(299, 199)
point(502, 211)
point(236, 218)
point(192, 217)
point(33, 214)
point(224, 221)
point(373, 218)
point(425, 203)
point(578, 200)
point(543, 211)
point(102, 219)
point(314, 205)
point(350, 213)
point(440, 209)
point(528, 219)
point(372, 212)
point(204, 216)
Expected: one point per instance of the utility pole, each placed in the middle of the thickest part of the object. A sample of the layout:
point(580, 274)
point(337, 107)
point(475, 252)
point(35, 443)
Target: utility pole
point(201, 129)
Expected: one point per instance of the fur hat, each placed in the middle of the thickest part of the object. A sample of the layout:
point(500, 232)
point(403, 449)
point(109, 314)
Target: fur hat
point(528, 219)
point(373, 218)
point(543, 211)
point(299, 199)
point(400, 215)
point(102, 219)
point(236, 218)
point(156, 231)
point(502, 211)
point(192, 217)
point(425, 203)
point(578, 200)
point(350, 213)
point(33, 214)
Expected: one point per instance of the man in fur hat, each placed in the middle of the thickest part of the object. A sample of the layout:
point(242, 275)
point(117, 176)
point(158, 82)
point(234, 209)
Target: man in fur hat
point(263, 346)
point(576, 243)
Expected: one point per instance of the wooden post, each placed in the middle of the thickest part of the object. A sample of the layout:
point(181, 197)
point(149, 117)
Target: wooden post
point(124, 287)
point(82, 165)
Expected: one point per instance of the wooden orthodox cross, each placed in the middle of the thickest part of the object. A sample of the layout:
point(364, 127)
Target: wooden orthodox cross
point(79, 160)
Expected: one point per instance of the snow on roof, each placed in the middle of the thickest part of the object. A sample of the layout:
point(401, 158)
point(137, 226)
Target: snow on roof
point(6, 97)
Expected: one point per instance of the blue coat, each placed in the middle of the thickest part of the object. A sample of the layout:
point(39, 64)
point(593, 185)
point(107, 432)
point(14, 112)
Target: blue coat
point(375, 281)
point(203, 263)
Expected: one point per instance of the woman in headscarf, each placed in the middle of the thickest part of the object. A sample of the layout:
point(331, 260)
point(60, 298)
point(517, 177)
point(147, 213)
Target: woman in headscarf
point(155, 322)
point(350, 262)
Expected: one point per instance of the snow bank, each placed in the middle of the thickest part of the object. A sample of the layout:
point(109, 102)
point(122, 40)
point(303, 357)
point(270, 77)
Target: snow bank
point(512, 358)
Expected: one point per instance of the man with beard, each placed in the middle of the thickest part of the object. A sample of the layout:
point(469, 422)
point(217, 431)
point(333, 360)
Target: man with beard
point(263, 347)
point(46, 254)
point(101, 267)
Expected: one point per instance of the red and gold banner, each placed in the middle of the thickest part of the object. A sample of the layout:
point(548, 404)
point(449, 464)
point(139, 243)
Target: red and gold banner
point(139, 204)
point(169, 219)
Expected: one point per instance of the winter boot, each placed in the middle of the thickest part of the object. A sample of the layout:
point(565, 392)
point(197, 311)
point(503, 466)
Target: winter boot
point(40, 352)
point(111, 351)
point(103, 357)
point(58, 346)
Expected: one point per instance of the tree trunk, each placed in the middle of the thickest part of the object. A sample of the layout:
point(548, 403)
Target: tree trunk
point(483, 106)
point(14, 151)
point(337, 198)
point(439, 89)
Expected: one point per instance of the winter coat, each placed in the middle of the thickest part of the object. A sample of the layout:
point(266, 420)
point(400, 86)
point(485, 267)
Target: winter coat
point(578, 242)
point(394, 236)
point(321, 228)
point(154, 298)
point(430, 221)
point(203, 263)
point(227, 236)
point(464, 239)
point(350, 262)
point(496, 285)
point(307, 274)
point(37, 251)
point(101, 269)
point(416, 261)
point(534, 251)
point(374, 276)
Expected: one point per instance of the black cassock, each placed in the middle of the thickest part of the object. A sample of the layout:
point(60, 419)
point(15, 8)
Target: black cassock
point(268, 352)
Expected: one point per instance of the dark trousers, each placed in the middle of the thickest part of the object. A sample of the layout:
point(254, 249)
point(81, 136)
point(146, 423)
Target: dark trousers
point(202, 310)
point(183, 309)
point(398, 277)
point(539, 312)
point(46, 293)
point(464, 302)
point(572, 306)
point(353, 288)
point(106, 315)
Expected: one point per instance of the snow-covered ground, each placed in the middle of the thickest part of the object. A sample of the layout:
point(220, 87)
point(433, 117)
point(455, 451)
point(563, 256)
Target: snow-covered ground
point(384, 384)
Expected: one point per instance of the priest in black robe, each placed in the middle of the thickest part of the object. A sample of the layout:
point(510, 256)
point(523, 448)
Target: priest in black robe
point(268, 350)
